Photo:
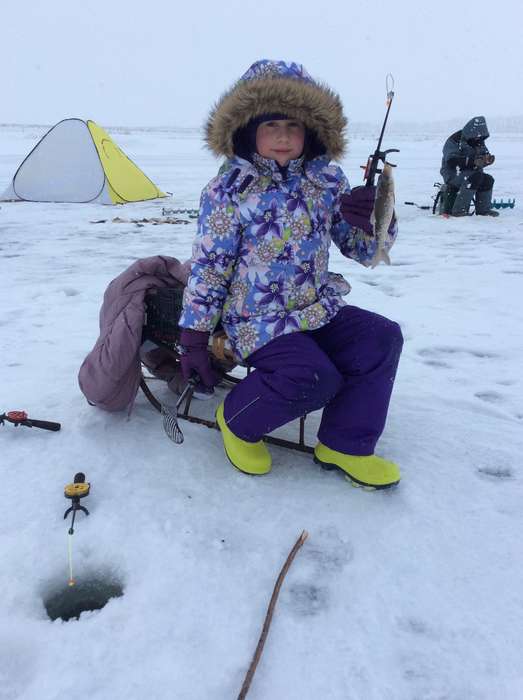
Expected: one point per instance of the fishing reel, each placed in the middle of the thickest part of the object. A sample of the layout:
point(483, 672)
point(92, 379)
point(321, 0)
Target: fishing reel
point(372, 169)
point(77, 490)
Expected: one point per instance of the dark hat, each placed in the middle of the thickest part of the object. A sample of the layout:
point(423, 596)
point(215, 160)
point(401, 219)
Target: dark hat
point(244, 139)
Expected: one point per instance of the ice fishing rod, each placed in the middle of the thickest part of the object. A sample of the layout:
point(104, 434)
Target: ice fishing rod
point(75, 492)
point(21, 418)
point(419, 206)
point(372, 167)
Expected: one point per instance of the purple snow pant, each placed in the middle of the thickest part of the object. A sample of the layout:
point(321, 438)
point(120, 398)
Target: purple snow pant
point(347, 367)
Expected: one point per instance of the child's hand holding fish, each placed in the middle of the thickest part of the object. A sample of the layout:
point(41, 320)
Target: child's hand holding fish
point(371, 209)
point(357, 207)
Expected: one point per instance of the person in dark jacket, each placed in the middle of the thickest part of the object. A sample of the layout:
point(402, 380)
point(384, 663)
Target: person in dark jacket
point(465, 155)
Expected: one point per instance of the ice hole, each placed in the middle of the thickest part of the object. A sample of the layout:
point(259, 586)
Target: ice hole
point(92, 593)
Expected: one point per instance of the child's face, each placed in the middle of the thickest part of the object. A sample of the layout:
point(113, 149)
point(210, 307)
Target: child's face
point(280, 140)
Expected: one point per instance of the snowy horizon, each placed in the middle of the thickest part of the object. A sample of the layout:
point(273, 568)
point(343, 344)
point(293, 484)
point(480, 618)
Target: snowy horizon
point(502, 124)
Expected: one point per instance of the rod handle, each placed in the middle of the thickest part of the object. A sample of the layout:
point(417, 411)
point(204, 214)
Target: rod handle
point(45, 424)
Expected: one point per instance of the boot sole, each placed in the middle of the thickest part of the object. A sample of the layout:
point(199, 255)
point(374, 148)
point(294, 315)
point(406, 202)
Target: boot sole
point(329, 466)
point(241, 470)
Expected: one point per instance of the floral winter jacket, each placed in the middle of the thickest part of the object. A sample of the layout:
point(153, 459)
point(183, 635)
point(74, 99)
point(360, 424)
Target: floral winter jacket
point(260, 258)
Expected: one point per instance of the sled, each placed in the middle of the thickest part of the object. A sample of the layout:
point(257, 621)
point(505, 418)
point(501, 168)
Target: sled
point(161, 364)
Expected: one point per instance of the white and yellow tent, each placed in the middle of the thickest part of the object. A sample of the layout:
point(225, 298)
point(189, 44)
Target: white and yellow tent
point(77, 161)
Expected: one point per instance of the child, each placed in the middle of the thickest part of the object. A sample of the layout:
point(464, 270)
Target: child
point(260, 266)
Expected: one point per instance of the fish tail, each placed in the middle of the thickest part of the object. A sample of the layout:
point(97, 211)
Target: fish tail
point(381, 255)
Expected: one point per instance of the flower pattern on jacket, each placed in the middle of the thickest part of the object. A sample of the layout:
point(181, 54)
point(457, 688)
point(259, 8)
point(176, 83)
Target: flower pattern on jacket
point(282, 320)
point(305, 272)
point(260, 258)
point(267, 222)
point(272, 293)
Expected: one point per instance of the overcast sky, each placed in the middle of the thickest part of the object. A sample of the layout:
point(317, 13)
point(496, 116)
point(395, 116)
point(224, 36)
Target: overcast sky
point(163, 63)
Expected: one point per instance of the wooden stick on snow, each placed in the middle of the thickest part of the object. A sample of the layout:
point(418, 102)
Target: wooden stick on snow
point(268, 617)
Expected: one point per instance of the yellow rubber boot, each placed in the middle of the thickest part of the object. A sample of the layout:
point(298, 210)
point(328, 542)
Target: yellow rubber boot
point(248, 457)
point(370, 471)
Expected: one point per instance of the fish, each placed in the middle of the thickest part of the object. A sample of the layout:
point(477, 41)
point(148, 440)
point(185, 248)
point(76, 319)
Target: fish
point(382, 214)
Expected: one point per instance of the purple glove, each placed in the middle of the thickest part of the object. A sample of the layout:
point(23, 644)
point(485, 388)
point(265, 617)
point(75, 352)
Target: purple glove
point(194, 357)
point(356, 207)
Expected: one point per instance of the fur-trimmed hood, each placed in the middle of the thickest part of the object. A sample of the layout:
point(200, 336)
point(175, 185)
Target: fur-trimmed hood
point(277, 86)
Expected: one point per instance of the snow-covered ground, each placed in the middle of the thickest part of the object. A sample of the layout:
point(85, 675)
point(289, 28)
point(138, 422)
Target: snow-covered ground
point(413, 594)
